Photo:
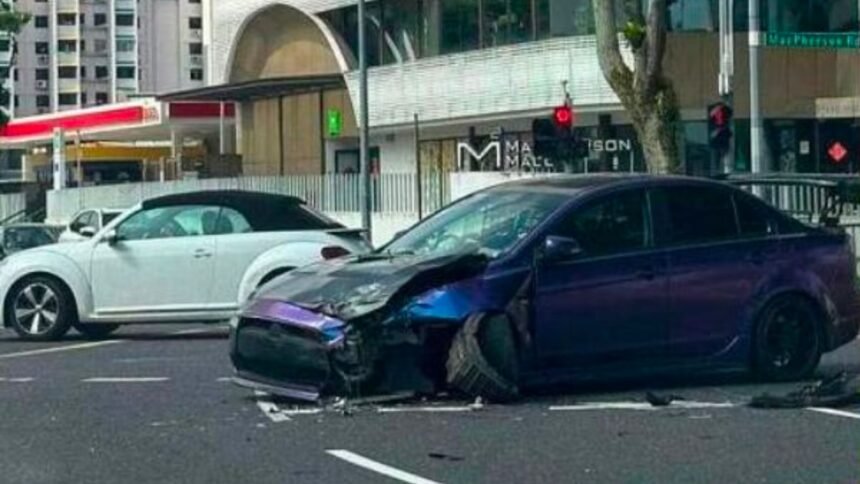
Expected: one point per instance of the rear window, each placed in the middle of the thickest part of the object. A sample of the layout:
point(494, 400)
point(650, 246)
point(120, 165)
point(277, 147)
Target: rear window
point(699, 215)
point(289, 217)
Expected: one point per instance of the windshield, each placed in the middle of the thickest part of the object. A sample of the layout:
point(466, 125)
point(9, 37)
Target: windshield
point(490, 222)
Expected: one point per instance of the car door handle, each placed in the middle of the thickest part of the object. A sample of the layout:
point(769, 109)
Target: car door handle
point(202, 253)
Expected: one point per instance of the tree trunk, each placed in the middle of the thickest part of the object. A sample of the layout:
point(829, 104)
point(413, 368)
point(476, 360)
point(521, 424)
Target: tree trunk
point(655, 136)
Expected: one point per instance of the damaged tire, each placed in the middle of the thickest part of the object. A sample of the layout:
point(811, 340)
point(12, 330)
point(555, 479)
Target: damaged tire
point(787, 341)
point(483, 361)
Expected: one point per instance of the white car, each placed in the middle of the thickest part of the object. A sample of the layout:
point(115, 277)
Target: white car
point(180, 258)
point(87, 223)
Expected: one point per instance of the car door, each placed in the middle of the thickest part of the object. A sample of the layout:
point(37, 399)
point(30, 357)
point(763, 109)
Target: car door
point(238, 246)
point(162, 261)
point(718, 256)
point(609, 304)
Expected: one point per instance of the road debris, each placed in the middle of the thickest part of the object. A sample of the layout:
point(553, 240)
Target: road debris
point(839, 390)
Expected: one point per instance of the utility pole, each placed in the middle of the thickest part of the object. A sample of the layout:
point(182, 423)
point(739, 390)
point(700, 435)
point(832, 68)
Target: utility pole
point(727, 72)
point(366, 216)
point(757, 164)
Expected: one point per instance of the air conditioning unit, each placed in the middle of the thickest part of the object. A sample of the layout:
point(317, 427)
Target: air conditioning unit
point(196, 60)
point(196, 34)
point(42, 85)
point(44, 60)
point(43, 110)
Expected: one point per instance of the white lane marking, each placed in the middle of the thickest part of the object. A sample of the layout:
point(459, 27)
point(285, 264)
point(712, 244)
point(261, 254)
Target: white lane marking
point(838, 413)
point(424, 409)
point(212, 329)
point(379, 467)
point(59, 349)
point(268, 407)
point(681, 404)
point(224, 379)
point(16, 380)
point(126, 379)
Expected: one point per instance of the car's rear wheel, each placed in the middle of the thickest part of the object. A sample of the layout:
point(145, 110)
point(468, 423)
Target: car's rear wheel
point(40, 308)
point(788, 341)
point(96, 331)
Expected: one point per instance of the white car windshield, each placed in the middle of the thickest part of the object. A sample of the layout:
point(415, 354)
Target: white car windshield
point(489, 222)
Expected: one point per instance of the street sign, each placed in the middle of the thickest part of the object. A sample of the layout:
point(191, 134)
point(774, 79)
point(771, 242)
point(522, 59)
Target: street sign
point(334, 123)
point(837, 152)
point(813, 41)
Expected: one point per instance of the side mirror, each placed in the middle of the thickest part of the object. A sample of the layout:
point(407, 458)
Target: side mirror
point(111, 237)
point(559, 249)
point(87, 232)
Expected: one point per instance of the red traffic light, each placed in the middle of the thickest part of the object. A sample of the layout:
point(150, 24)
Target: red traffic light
point(720, 115)
point(563, 116)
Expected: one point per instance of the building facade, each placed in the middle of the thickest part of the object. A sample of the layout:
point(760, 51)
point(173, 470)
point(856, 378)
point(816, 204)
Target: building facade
point(81, 53)
point(474, 74)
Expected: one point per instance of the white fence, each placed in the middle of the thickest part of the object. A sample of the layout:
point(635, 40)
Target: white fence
point(11, 204)
point(391, 192)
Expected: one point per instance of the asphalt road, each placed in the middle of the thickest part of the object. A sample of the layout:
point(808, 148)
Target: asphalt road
point(154, 405)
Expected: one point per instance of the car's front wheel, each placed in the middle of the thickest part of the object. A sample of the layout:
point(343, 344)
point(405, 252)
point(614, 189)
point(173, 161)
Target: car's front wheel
point(788, 342)
point(40, 309)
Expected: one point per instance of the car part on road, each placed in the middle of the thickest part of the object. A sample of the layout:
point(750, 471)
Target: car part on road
point(788, 340)
point(95, 331)
point(840, 390)
point(483, 359)
point(39, 308)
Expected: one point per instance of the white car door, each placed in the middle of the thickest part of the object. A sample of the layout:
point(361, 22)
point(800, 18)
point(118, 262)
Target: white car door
point(161, 262)
point(238, 246)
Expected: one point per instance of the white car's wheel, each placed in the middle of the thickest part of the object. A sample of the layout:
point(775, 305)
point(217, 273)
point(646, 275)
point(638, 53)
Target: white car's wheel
point(40, 309)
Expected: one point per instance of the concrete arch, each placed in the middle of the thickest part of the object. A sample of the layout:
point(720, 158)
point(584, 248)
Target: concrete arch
point(280, 40)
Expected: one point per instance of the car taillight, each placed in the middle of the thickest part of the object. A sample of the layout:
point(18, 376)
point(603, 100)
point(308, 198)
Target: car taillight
point(333, 252)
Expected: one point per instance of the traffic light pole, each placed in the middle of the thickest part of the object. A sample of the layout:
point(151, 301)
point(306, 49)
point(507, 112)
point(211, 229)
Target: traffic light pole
point(727, 67)
point(364, 156)
point(756, 144)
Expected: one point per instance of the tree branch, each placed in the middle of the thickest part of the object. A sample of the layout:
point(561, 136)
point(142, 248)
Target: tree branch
point(655, 43)
point(614, 69)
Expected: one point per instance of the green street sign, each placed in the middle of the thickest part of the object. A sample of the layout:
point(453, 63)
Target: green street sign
point(813, 41)
point(334, 123)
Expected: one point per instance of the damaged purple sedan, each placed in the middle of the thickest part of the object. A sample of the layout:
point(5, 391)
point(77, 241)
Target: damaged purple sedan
point(558, 279)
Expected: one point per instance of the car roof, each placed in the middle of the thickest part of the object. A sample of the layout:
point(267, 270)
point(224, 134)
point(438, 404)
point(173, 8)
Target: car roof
point(579, 184)
point(240, 200)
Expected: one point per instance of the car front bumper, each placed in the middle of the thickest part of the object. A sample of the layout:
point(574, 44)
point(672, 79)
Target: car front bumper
point(284, 350)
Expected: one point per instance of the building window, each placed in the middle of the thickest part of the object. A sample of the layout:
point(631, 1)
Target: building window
point(195, 48)
point(83, 19)
point(83, 72)
point(43, 101)
point(125, 45)
point(125, 19)
point(101, 72)
point(67, 46)
point(125, 72)
point(5, 45)
point(40, 21)
point(100, 45)
point(810, 16)
point(67, 72)
point(42, 74)
point(196, 74)
point(68, 99)
point(195, 23)
point(101, 98)
point(41, 48)
point(66, 19)
point(99, 19)
point(83, 98)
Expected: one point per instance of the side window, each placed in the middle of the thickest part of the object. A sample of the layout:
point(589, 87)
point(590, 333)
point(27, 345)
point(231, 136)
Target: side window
point(752, 219)
point(79, 222)
point(611, 225)
point(699, 215)
point(166, 222)
point(231, 222)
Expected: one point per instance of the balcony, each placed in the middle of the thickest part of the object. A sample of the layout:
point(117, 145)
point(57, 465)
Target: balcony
point(67, 58)
point(126, 57)
point(67, 6)
point(69, 86)
point(68, 32)
point(126, 5)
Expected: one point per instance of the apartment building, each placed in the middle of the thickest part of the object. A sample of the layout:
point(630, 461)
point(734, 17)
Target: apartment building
point(81, 53)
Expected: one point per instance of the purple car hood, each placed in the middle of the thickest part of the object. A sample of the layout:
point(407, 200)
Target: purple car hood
point(359, 286)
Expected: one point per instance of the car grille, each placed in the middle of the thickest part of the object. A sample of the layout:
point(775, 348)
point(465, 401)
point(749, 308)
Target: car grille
point(280, 352)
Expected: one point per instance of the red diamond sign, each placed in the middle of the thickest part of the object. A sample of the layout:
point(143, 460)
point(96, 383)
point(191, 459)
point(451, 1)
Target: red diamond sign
point(837, 152)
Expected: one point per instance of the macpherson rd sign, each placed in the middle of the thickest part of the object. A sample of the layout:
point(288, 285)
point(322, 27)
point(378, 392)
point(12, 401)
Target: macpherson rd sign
point(850, 40)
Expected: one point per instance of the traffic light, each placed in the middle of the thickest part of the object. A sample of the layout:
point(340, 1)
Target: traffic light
point(563, 117)
point(553, 136)
point(720, 127)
